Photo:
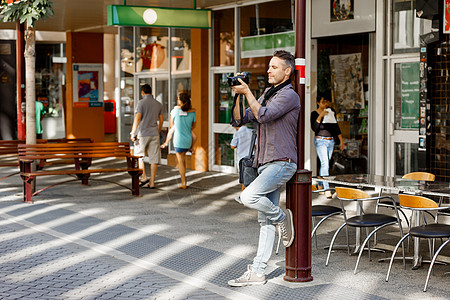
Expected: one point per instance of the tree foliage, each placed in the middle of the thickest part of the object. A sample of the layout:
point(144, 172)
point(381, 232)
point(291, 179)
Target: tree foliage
point(30, 11)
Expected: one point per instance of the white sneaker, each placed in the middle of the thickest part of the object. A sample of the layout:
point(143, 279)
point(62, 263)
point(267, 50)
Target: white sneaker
point(286, 229)
point(248, 278)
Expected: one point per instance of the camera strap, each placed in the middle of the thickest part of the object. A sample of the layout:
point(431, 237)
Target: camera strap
point(252, 144)
point(235, 122)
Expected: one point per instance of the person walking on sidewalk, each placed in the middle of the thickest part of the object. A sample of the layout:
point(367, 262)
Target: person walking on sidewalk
point(327, 134)
point(182, 124)
point(275, 114)
point(147, 125)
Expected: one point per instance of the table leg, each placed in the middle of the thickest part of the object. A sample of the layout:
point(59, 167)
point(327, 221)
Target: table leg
point(358, 231)
point(417, 259)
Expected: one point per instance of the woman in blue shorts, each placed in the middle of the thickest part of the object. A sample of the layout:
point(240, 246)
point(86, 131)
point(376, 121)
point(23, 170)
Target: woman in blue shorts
point(182, 124)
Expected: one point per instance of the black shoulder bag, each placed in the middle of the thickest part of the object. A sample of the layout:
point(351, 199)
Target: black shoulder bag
point(246, 171)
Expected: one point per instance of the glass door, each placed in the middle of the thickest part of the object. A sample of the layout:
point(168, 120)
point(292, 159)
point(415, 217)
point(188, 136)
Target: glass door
point(160, 90)
point(403, 117)
point(222, 157)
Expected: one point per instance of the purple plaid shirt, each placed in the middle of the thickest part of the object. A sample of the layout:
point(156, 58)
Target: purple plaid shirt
point(276, 127)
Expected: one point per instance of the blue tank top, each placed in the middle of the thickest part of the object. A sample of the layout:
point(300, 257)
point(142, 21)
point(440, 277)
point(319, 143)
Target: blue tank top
point(182, 137)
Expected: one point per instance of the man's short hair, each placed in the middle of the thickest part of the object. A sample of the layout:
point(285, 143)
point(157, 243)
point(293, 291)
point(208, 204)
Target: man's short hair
point(287, 57)
point(146, 88)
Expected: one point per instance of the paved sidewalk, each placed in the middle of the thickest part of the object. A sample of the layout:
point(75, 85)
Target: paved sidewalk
point(99, 242)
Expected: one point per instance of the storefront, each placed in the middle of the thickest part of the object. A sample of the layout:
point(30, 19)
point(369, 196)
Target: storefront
point(261, 32)
point(404, 154)
point(157, 56)
point(372, 70)
point(51, 87)
point(50, 74)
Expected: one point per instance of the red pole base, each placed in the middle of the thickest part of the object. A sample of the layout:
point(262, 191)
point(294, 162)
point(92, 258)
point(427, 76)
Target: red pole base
point(300, 274)
point(298, 200)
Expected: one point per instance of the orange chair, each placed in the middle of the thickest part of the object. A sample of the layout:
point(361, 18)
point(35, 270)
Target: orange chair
point(414, 176)
point(363, 220)
point(429, 231)
point(419, 176)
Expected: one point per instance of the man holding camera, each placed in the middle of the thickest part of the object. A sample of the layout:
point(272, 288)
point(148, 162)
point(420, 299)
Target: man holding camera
point(276, 116)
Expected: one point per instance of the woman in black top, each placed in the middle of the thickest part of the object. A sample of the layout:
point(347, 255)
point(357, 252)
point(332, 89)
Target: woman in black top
point(327, 134)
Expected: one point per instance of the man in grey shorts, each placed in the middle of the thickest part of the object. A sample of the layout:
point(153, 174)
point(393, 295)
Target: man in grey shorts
point(147, 125)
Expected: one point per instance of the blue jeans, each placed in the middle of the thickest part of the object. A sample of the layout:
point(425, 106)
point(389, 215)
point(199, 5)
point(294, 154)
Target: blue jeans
point(263, 195)
point(324, 150)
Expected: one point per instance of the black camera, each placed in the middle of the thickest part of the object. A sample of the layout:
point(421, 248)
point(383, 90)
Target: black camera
point(233, 80)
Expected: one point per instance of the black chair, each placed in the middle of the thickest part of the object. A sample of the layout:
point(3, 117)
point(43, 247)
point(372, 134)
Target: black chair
point(323, 212)
point(363, 220)
point(428, 231)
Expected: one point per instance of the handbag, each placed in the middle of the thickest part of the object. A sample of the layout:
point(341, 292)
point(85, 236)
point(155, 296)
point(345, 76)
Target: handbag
point(247, 173)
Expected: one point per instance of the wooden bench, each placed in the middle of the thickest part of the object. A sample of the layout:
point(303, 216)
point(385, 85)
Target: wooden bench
point(82, 155)
point(9, 150)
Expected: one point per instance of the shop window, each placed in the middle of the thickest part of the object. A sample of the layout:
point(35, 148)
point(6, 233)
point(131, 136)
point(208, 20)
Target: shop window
point(263, 32)
point(406, 27)
point(50, 87)
point(223, 37)
point(224, 98)
point(181, 64)
point(181, 50)
point(180, 85)
point(127, 57)
point(406, 158)
point(342, 67)
point(146, 56)
point(127, 70)
point(224, 154)
point(151, 49)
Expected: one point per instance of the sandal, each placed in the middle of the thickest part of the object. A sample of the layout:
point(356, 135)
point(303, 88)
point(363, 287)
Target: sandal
point(142, 183)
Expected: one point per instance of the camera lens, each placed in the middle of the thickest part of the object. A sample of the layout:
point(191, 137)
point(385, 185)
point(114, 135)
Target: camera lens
point(233, 80)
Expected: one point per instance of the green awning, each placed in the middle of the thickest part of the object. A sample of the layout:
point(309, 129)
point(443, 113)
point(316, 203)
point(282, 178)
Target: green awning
point(127, 15)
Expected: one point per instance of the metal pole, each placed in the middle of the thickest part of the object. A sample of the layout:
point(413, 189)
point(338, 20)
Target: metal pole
point(298, 189)
point(20, 78)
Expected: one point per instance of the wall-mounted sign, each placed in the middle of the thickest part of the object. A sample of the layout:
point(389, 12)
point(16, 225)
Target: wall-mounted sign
point(266, 44)
point(446, 16)
point(341, 10)
point(127, 15)
point(87, 85)
point(410, 96)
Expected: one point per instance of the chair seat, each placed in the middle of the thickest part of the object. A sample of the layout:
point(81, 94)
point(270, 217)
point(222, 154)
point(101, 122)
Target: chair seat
point(324, 210)
point(370, 220)
point(431, 231)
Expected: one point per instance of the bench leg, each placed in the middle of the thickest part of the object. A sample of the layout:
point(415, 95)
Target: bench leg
point(84, 178)
point(135, 183)
point(28, 188)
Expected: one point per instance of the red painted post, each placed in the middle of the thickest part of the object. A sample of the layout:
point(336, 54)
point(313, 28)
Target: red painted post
point(20, 78)
point(298, 189)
